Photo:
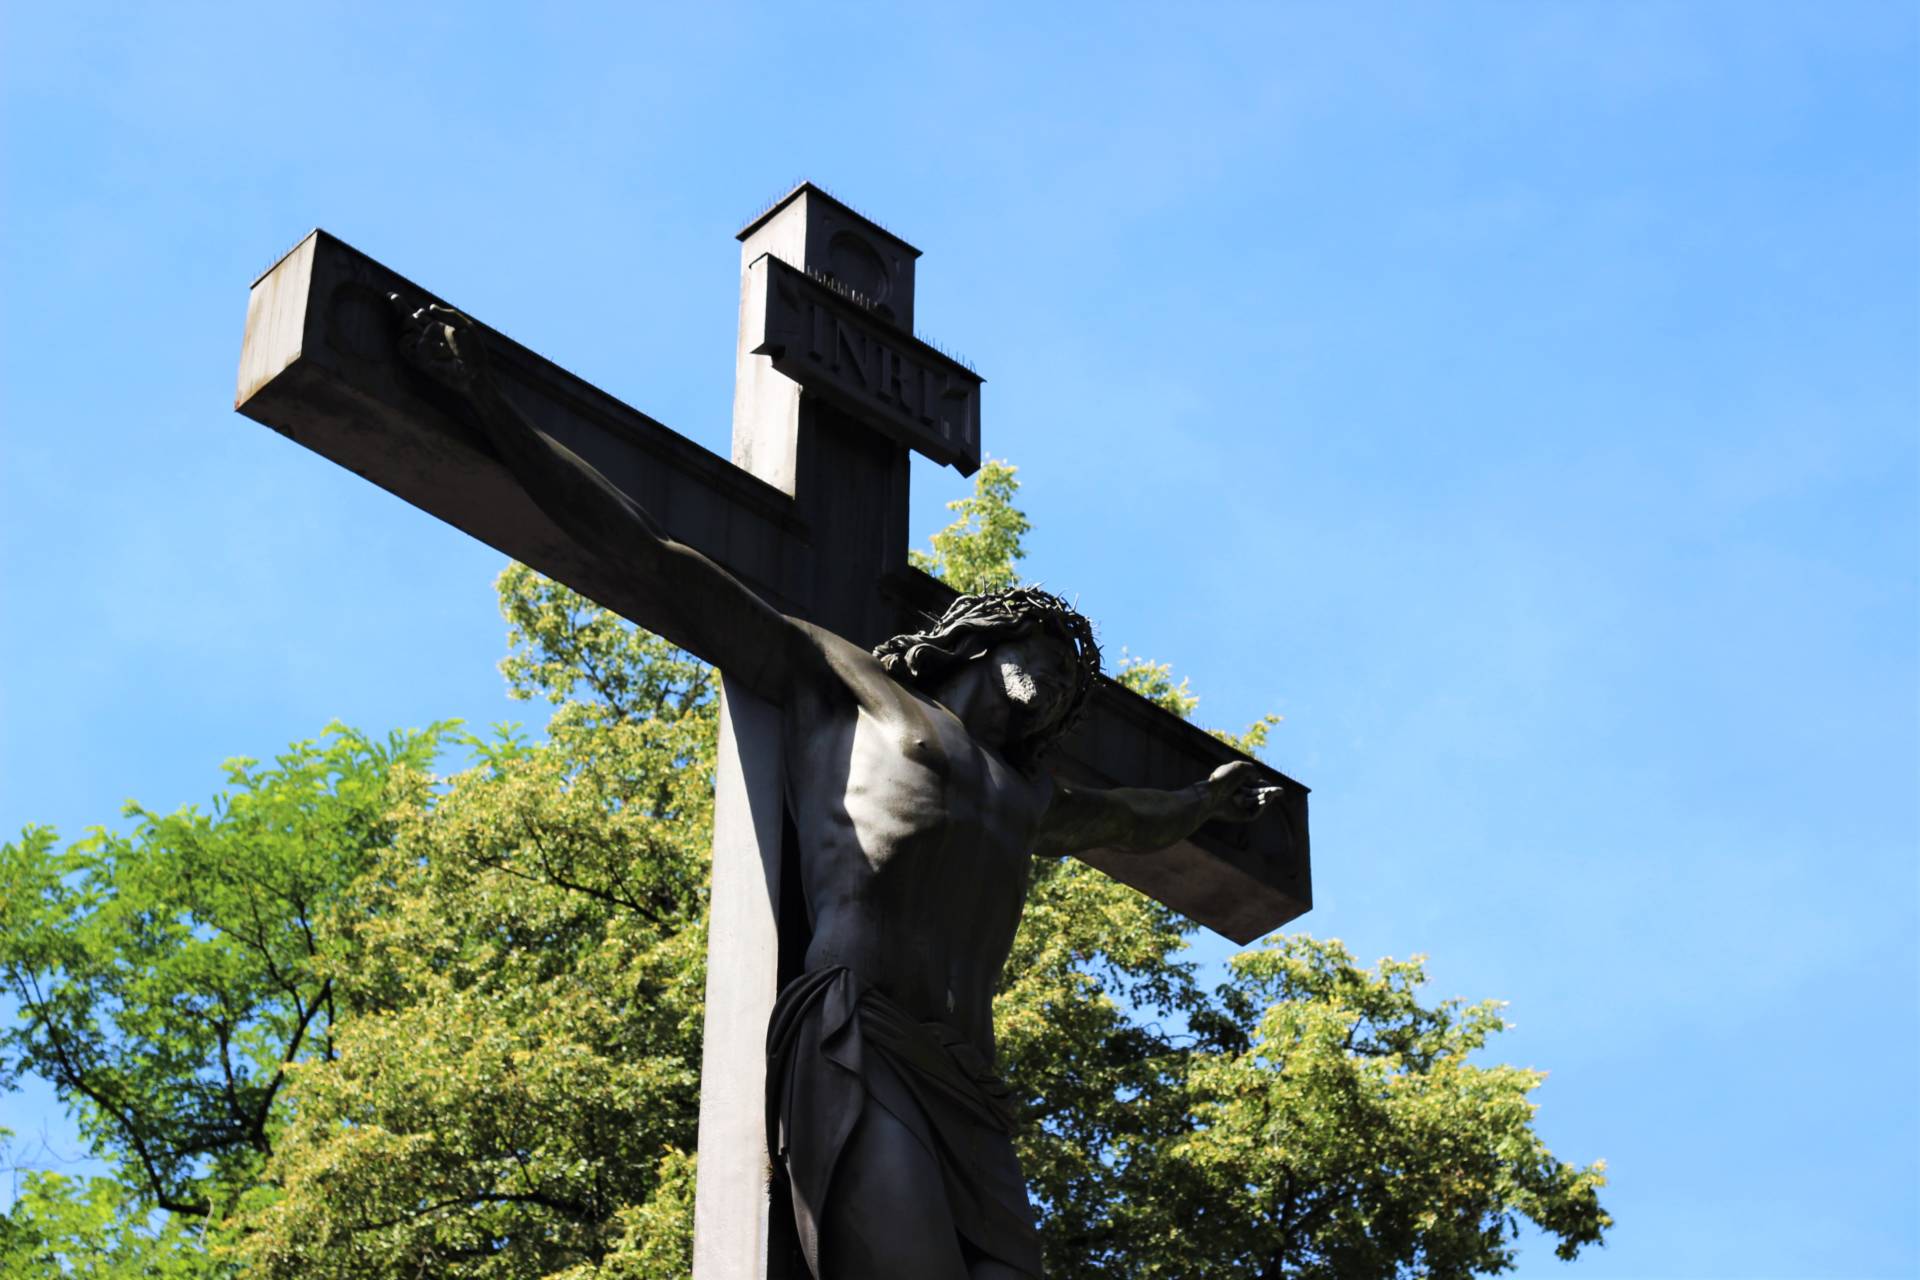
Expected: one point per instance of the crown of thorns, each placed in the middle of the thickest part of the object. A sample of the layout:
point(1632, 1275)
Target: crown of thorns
point(998, 615)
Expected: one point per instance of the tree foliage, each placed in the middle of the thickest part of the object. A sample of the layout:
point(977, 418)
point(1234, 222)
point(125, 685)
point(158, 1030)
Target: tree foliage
point(167, 978)
point(362, 1021)
point(518, 1094)
point(981, 549)
point(94, 1229)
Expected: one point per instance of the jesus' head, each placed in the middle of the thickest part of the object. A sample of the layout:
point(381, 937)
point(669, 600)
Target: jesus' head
point(1042, 651)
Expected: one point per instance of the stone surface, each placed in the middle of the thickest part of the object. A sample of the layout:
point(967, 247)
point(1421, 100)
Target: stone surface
point(735, 1228)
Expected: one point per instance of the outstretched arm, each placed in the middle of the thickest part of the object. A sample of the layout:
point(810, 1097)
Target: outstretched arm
point(1140, 820)
point(748, 639)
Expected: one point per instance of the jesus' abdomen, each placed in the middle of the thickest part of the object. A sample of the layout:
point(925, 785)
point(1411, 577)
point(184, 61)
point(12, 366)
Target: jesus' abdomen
point(914, 853)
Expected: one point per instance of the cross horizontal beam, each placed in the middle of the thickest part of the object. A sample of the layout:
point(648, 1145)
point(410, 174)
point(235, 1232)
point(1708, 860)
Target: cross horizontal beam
point(320, 365)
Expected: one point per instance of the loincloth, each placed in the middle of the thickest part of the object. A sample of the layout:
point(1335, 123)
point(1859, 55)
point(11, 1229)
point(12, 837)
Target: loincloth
point(832, 1043)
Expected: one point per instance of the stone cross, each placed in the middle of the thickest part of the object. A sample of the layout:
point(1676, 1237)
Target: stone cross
point(831, 391)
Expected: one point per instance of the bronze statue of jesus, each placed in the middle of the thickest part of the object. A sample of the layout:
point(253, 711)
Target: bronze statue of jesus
point(918, 796)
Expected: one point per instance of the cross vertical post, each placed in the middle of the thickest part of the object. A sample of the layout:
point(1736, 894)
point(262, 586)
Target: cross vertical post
point(850, 486)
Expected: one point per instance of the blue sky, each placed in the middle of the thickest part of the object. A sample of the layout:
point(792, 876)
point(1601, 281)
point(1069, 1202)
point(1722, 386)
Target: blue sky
point(1521, 399)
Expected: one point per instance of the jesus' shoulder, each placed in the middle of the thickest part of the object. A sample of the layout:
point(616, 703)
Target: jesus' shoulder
point(818, 676)
point(828, 677)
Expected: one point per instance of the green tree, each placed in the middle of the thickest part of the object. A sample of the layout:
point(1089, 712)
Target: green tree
point(94, 1229)
point(496, 982)
point(517, 1094)
point(981, 549)
point(165, 979)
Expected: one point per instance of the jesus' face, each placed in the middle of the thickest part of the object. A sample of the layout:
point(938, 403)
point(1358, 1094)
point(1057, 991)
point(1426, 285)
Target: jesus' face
point(1035, 674)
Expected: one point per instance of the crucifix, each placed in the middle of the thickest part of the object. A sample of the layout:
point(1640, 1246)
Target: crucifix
point(798, 550)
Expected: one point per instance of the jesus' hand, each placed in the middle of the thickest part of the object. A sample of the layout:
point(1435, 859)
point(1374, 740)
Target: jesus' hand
point(442, 343)
point(1237, 792)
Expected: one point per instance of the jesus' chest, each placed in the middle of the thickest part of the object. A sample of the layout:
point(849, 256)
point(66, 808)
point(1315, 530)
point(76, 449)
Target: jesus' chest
point(925, 801)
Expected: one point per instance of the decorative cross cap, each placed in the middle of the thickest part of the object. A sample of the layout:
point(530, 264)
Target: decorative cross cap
point(829, 240)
